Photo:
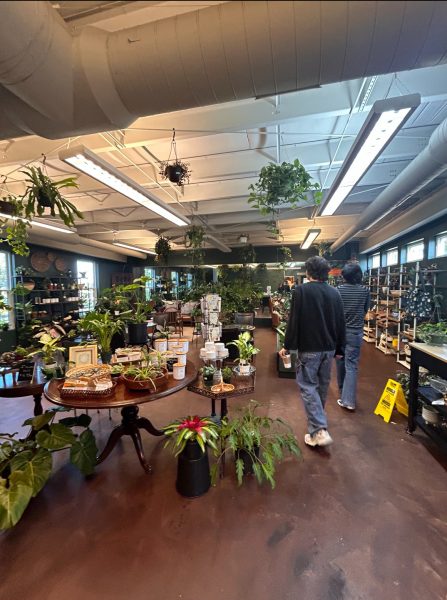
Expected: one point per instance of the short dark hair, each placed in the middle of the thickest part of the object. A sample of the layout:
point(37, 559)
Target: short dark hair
point(318, 268)
point(352, 273)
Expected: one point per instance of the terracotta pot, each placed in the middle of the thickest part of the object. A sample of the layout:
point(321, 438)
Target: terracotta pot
point(146, 385)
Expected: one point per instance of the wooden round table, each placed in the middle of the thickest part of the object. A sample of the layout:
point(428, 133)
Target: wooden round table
point(128, 401)
point(11, 387)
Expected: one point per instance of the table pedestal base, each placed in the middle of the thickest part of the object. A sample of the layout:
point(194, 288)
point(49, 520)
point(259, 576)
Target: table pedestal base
point(130, 425)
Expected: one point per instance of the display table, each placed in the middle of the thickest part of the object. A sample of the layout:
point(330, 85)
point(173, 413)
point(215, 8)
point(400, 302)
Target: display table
point(242, 386)
point(434, 359)
point(128, 401)
point(10, 387)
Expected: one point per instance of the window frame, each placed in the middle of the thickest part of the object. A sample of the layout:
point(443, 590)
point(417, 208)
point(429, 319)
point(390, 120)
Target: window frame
point(373, 256)
point(396, 262)
point(90, 294)
point(413, 244)
point(438, 236)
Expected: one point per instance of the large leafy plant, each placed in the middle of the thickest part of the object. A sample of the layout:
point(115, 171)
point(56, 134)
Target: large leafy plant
point(25, 464)
point(202, 430)
point(245, 347)
point(263, 439)
point(40, 193)
point(285, 185)
point(103, 326)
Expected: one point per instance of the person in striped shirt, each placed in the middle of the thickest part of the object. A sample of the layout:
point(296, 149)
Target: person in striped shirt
point(356, 300)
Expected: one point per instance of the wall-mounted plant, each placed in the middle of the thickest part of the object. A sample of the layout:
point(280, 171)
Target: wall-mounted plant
point(285, 185)
point(194, 240)
point(247, 254)
point(162, 249)
point(175, 170)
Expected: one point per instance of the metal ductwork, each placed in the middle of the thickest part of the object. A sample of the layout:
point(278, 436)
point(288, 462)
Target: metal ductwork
point(430, 163)
point(55, 85)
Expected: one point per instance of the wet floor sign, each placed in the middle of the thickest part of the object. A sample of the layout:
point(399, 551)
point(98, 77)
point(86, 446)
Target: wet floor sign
point(391, 394)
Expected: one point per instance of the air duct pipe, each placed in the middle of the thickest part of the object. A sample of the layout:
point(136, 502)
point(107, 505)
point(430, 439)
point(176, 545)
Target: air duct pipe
point(55, 85)
point(430, 163)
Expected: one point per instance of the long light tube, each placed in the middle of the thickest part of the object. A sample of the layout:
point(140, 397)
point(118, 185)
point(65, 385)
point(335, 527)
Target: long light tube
point(383, 122)
point(37, 224)
point(89, 163)
point(310, 238)
point(129, 247)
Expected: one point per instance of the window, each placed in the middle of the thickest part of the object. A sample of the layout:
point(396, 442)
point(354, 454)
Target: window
point(441, 244)
point(189, 280)
point(5, 287)
point(174, 280)
point(87, 282)
point(415, 251)
point(150, 285)
point(375, 260)
point(392, 257)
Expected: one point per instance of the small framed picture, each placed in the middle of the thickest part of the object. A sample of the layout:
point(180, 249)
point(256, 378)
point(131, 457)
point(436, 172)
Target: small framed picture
point(80, 356)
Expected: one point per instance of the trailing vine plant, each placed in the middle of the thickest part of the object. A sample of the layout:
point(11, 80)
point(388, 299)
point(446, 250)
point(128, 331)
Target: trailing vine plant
point(194, 240)
point(247, 254)
point(162, 250)
point(285, 185)
point(284, 256)
point(324, 249)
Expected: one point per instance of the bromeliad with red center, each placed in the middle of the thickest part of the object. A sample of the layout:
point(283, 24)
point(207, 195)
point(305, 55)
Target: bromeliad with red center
point(195, 424)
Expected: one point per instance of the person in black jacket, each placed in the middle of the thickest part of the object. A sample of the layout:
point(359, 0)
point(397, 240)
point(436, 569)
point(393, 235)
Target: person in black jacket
point(316, 328)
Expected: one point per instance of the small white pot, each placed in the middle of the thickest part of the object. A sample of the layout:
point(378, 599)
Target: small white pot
point(161, 344)
point(181, 357)
point(178, 371)
point(244, 369)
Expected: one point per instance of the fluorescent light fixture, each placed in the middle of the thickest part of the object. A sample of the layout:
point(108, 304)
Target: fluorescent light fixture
point(384, 120)
point(38, 224)
point(218, 244)
point(129, 247)
point(310, 238)
point(89, 163)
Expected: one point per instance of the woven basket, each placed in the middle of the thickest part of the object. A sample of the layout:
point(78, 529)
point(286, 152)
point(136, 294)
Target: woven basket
point(78, 393)
point(89, 371)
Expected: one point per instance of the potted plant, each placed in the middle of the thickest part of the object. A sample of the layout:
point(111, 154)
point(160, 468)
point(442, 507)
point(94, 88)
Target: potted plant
point(257, 442)
point(189, 438)
point(147, 377)
point(50, 339)
point(227, 374)
point(208, 374)
point(246, 351)
point(194, 240)
point(247, 254)
point(25, 464)
point(162, 250)
point(140, 308)
point(284, 185)
point(433, 333)
point(103, 326)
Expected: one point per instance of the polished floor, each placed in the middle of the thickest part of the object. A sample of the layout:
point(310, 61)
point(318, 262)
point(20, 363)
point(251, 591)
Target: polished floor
point(364, 520)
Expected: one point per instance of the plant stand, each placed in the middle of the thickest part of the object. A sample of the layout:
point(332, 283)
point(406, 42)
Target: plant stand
point(193, 471)
point(130, 425)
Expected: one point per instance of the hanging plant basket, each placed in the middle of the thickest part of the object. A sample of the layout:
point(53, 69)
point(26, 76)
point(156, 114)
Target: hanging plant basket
point(177, 172)
point(162, 249)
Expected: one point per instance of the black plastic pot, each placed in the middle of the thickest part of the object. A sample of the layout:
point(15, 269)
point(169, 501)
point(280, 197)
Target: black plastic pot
point(174, 173)
point(106, 357)
point(193, 471)
point(44, 200)
point(137, 333)
point(247, 459)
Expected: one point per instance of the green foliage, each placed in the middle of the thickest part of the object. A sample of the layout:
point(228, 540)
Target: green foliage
point(208, 372)
point(324, 249)
point(162, 250)
point(284, 256)
point(103, 326)
point(265, 440)
point(247, 254)
point(227, 374)
point(244, 346)
point(25, 464)
point(147, 371)
point(282, 186)
point(194, 240)
point(202, 430)
point(432, 332)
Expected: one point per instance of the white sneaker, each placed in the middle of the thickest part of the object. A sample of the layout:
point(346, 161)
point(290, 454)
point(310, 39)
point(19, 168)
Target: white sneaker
point(339, 402)
point(320, 438)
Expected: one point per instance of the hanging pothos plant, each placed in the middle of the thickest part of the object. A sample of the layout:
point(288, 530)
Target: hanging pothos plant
point(40, 193)
point(247, 254)
point(324, 249)
point(284, 256)
point(194, 240)
point(279, 186)
point(162, 249)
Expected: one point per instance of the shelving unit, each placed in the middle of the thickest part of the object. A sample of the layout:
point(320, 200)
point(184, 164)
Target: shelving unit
point(51, 299)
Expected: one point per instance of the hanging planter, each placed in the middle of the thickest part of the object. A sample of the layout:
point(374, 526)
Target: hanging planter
point(194, 240)
point(175, 170)
point(162, 250)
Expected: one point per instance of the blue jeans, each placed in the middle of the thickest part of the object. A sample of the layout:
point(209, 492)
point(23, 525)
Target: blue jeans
point(313, 376)
point(347, 367)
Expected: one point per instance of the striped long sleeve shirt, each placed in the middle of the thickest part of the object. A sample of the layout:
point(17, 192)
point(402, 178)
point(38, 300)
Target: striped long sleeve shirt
point(356, 300)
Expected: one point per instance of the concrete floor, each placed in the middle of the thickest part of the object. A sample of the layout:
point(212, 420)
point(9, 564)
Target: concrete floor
point(365, 520)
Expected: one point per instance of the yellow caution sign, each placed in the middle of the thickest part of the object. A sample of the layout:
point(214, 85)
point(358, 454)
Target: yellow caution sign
point(392, 394)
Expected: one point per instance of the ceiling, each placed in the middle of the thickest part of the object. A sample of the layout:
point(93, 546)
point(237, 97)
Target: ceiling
point(227, 144)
